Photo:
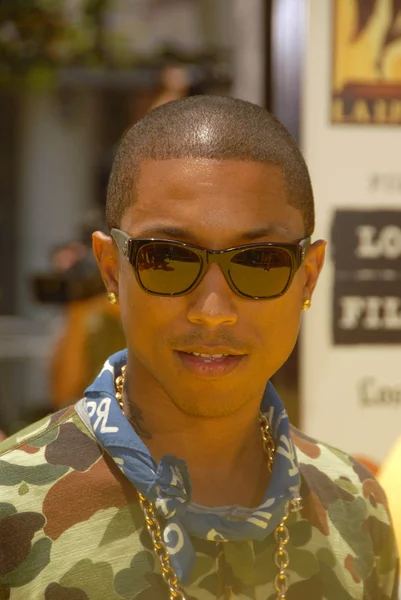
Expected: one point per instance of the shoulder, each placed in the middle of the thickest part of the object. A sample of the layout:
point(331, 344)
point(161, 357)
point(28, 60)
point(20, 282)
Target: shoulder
point(43, 452)
point(59, 492)
point(324, 467)
point(37, 430)
point(42, 432)
point(344, 501)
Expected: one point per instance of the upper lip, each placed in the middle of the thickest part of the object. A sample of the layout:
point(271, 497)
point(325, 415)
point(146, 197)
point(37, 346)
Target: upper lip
point(211, 350)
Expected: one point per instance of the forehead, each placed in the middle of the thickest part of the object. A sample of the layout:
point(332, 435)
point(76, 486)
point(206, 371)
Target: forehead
point(213, 200)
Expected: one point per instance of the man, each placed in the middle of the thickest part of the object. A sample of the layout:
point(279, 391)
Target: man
point(178, 475)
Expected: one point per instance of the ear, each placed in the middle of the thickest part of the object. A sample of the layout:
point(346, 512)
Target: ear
point(106, 255)
point(313, 265)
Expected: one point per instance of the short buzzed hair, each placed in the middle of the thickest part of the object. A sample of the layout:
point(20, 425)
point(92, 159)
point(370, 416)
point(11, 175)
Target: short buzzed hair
point(211, 127)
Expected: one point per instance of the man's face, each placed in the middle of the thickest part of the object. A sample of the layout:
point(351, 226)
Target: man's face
point(216, 205)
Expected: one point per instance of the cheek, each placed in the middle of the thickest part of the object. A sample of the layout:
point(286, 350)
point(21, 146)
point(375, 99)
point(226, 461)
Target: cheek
point(289, 306)
point(281, 318)
point(134, 306)
point(280, 332)
point(145, 317)
point(277, 323)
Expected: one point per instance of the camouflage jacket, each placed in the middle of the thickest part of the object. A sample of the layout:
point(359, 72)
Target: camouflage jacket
point(71, 528)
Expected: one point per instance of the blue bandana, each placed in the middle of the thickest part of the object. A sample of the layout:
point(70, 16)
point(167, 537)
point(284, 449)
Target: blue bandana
point(168, 483)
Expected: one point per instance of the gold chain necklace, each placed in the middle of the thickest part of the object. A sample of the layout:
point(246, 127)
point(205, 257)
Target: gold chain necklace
point(281, 533)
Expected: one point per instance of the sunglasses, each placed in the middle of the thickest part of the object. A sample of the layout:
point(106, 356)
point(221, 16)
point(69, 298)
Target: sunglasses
point(169, 268)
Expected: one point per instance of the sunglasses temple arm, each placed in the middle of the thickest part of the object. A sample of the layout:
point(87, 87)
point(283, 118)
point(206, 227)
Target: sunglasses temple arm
point(122, 240)
point(305, 244)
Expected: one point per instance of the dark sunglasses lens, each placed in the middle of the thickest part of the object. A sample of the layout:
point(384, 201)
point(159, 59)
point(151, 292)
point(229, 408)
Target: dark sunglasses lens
point(261, 272)
point(167, 269)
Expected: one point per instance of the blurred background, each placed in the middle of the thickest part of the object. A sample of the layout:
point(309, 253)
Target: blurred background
point(75, 74)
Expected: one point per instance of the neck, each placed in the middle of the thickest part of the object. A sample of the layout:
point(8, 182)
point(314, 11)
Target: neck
point(225, 455)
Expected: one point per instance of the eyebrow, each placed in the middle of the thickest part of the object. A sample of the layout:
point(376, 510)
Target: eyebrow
point(158, 229)
point(268, 231)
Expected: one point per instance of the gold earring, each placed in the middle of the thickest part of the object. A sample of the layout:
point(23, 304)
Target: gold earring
point(306, 305)
point(112, 298)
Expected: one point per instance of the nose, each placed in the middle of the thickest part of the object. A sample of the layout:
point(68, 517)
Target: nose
point(212, 303)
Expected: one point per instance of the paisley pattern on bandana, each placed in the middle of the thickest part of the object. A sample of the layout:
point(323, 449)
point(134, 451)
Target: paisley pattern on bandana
point(168, 484)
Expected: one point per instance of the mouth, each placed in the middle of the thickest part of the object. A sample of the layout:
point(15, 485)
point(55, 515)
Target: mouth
point(210, 362)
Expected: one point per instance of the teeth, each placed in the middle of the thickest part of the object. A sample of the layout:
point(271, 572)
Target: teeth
point(208, 355)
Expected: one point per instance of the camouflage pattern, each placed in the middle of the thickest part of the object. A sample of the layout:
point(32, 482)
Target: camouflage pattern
point(71, 529)
point(168, 483)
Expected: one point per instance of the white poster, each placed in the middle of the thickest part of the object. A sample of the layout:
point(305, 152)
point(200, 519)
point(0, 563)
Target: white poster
point(351, 138)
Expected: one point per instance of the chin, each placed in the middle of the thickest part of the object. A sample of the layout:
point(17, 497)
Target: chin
point(208, 406)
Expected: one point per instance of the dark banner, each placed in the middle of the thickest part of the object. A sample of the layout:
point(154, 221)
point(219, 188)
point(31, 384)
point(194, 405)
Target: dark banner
point(366, 251)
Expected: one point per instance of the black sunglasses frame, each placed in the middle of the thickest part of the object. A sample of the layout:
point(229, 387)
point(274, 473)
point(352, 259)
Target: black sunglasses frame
point(129, 247)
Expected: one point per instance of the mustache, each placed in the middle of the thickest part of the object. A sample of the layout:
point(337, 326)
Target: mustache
point(201, 338)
